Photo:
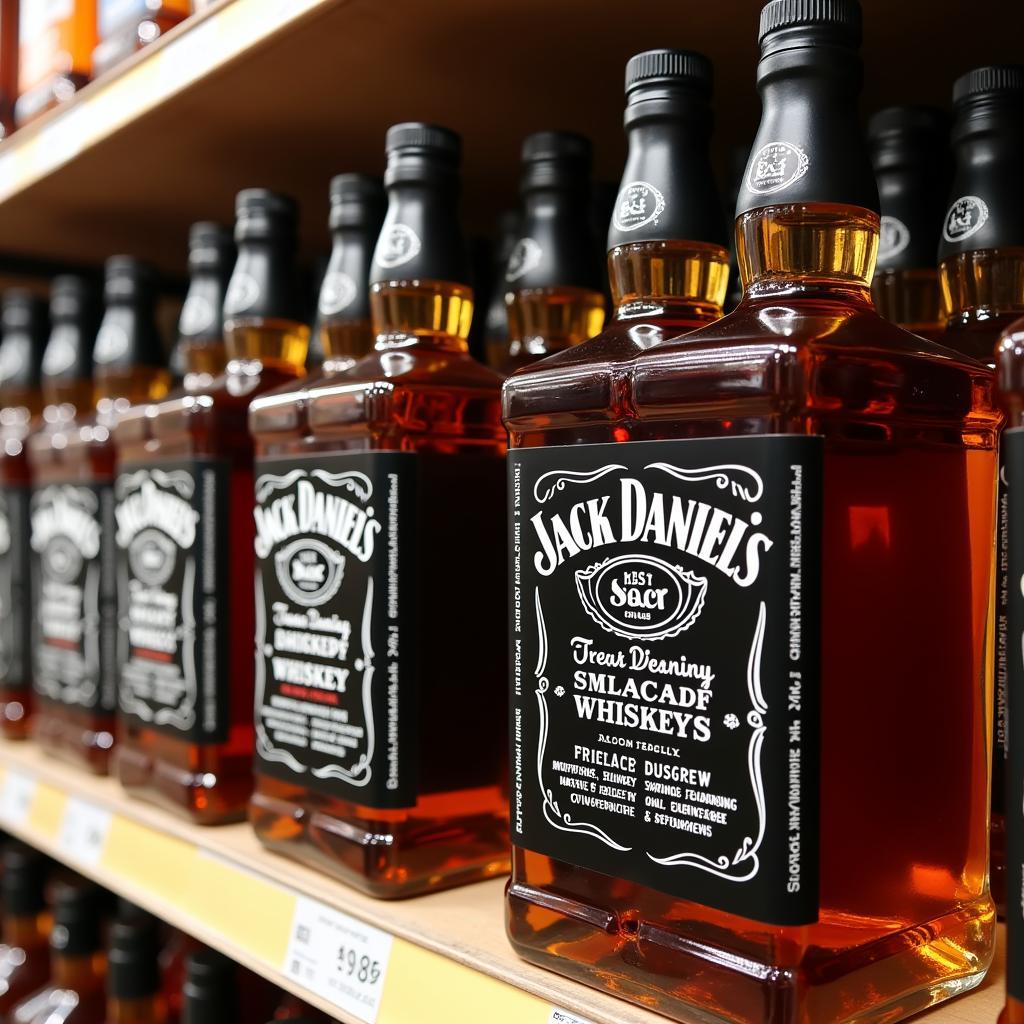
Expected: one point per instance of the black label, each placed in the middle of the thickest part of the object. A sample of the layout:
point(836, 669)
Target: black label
point(1000, 738)
point(15, 621)
point(74, 575)
point(665, 664)
point(1012, 478)
point(172, 539)
point(335, 678)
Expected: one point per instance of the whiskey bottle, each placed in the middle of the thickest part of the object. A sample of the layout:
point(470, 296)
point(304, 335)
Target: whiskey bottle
point(343, 306)
point(1009, 358)
point(75, 992)
point(982, 281)
point(23, 331)
point(133, 972)
point(72, 513)
point(379, 741)
point(981, 251)
point(908, 151)
point(552, 280)
point(496, 317)
point(185, 537)
point(210, 990)
point(24, 926)
point(731, 626)
point(667, 261)
point(126, 27)
point(55, 47)
point(199, 354)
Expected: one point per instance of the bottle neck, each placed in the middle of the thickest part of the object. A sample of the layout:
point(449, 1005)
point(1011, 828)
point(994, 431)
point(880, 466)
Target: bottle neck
point(29, 932)
point(807, 248)
point(679, 281)
point(909, 297)
point(983, 287)
point(65, 397)
point(82, 973)
point(200, 346)
point(421, 314)
point(546, 320)
point(123, 387)
point(145, 1010)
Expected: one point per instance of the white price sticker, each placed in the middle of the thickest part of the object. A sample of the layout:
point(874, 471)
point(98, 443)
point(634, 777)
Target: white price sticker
point(558, 1016)
point(338, 957)
point(16, 797)
point(83, 830)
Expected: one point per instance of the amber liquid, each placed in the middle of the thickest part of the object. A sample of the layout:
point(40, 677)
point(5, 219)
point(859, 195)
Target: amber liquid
point(79, 449)
point(542, 321)
point(24, 959)
point(419, 391)
point(345, 343)
point(910, 299)
point(905, 915)
point(19, 411)
point(149, 1010)
point(211, 782)
point(80, 976)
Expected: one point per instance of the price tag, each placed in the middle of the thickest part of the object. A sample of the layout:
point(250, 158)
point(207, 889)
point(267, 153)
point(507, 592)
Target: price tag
point(338, 957)
point(83, 830)
point(558, 1016)
point(16, 797)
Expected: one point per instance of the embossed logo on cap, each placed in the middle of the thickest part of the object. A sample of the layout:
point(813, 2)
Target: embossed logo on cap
point(775, 167)
point(638, 203)
point(893, 238)
point(336, 293)
point(526, 254)
point(966, 216)
point(397, 245)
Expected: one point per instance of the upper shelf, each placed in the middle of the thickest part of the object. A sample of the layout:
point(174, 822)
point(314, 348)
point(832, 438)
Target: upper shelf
point(441, 959)
point(285, 93)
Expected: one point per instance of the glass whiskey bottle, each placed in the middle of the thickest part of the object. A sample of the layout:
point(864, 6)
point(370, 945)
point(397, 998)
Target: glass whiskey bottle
point(343, 305)
point(124, 27)
point(496, 315)
point(24, 925)
point(982, 281)
point(908, 152)
point(379, 749)
point(133, 971)
point(736, 621)
point(72, 514)
point(23, 333)
point(1009, 358)
point(552, 284)
point(55, 44)
point(185, 536)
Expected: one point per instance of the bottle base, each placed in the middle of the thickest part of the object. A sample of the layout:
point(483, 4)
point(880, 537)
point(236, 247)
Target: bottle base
point(201, 796)
point(648, 964)
point(85, 742)
point(385, 859)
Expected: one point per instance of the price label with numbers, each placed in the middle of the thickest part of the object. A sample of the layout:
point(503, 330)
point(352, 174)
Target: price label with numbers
point(338, 957)
point(16, 797)
point(83, 830)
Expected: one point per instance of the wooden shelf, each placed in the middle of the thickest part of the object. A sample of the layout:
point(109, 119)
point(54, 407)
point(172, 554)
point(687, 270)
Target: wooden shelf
point(449, 961)
point(285, 93)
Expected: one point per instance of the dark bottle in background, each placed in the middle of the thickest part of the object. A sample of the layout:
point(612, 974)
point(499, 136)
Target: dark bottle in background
point(496, 318)
point(981, 250)
point(185, 540)
point(400, 562)
point(73, 529)
point(199, 354)
point(134, 993)
point(552, 281)
point(909, 152)
point(24, 925)
point(23, 333)
point(805, 428)
point(210, 990)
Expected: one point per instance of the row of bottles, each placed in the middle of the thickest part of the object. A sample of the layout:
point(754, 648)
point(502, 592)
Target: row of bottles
point(49, 49)
point(742, 642)
point(72, 954)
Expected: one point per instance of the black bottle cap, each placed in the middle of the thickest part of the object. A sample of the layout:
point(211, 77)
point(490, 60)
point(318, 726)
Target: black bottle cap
point(211, 247)
point(986, 203)
point(555, 160)
point(809, 146)
point(133, 969)
point(841, 17)
point(669, 67)
point(263, 215)
point(24, 326)
point(72, 298)
point(210, 989)
point(128, 280)
point(24, 880)
point(668, 190)
point(425, 153)
point(74, 316)
point(909, 148)
point(357, 201)
point(77, 919)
